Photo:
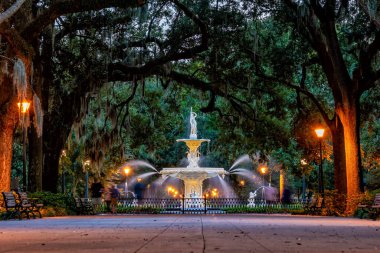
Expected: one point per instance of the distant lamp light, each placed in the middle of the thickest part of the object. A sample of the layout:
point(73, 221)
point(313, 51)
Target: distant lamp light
point(263, 170)
point(127, 170)
point(303, 162)
point(319, 132)
point(242, 182)
point(23, 106)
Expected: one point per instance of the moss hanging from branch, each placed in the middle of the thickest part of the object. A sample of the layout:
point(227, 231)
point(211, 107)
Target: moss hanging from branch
point(20, 84)
point(38, 115)
point(19, 79)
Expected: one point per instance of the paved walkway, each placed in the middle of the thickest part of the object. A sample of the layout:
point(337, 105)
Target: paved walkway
point(190, 233)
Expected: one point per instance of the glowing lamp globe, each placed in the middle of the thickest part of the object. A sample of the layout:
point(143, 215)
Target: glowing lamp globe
point(23, 106)
point(127, 170)
point(263, 170)
point(319, 132)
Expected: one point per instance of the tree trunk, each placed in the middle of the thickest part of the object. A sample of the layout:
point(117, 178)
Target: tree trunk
point(35, 161)
point(50, 173)
point(349, 116)
point(55, 133)
point(8, 121)
point(42, 79)
point(340, 181)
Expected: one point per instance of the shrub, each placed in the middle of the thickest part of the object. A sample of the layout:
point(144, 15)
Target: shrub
point(50, 211)
point(139, 210)
point(51, 199)
point(55, 204)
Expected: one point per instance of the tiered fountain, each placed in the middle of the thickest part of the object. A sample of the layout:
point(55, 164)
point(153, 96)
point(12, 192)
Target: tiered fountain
point(193, 175)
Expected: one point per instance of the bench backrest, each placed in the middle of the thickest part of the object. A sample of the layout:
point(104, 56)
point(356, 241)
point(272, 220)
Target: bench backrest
point(23, 197)
point(9, 200)
point(319, 202)
point(86, 201)
point(376, 201)
point(78, 203)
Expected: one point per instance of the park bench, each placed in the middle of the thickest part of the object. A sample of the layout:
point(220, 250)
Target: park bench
point(315, 206)
point(35, 206)
point(372, 209)
point(13, 207)
point(84, 206)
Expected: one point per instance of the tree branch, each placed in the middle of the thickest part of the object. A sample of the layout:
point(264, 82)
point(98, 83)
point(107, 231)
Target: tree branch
point(98, 21)
point(303, 91)
point(115, 69)
point(11, 10)
point(63, 7)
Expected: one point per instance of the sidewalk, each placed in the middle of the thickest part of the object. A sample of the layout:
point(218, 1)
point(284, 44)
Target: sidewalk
point(190, 233)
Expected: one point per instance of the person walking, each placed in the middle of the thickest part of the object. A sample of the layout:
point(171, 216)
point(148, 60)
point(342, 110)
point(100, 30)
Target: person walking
point(96, 194)
point(107, 199)
point(139, 191)
point(115, 194)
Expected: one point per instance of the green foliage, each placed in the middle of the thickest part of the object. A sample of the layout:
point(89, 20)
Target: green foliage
point(51, 199)
point(277, 208)
point(139, 210)
point(16, 160)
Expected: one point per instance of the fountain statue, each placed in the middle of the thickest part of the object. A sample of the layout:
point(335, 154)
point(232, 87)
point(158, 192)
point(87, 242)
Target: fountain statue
point(193, 175)
point(193, 124)
point(251, 199)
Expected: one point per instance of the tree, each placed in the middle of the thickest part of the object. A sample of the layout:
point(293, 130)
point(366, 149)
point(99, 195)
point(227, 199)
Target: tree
point(20, 34)
point(325, 26)
point(342, 40)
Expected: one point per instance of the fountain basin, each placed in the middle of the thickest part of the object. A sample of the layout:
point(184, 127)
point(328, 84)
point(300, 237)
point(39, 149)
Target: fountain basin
point(182, 172)
point(193, 178)
point(193, 144)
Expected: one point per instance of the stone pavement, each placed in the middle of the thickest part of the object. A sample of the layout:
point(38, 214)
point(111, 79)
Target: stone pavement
point(190, 233)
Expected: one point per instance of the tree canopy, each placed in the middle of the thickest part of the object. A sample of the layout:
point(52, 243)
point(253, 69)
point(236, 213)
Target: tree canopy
point(118, 76)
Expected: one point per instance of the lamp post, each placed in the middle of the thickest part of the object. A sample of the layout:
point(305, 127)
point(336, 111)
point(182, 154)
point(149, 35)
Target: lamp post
point(303, 164)
point(127, 171)
point(87, 162)
point(263, 170)
point(63, 155)
point(319, 132)
point(24, 108)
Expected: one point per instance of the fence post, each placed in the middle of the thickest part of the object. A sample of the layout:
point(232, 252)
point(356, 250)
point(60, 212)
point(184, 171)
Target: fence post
point(205, 204)
point(183, 203)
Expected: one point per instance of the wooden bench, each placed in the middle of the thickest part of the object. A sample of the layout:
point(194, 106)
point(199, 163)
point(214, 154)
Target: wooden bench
point(315, 206)
point(14, 208)
point(84, 206)
point(372, 209)
point(35, 206)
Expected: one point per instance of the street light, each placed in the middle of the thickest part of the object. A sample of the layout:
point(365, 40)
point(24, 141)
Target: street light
point(24, 108)
point(63, 155)
point(127, 171)
point(87, 162)
point(263, 170)
point(319, 132)
point(303, 165)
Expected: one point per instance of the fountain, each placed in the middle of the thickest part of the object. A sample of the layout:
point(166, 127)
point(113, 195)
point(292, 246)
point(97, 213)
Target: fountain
point(193, 175)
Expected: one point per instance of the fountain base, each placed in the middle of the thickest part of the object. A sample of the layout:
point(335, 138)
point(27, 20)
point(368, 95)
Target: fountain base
point(193, 178)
